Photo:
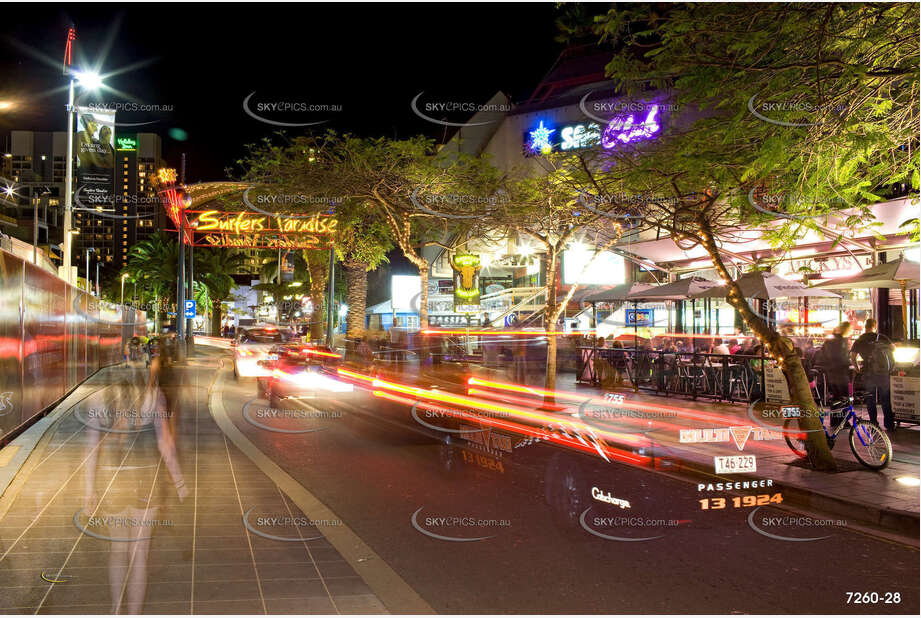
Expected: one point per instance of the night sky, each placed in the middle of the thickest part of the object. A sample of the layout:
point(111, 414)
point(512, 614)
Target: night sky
point(204, 60)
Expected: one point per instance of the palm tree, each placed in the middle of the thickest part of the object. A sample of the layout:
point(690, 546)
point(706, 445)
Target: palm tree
point(361, 245)
point(271, 282)
point(153, 264)
point(317, 261)
point(215, 269)
point(202, 297)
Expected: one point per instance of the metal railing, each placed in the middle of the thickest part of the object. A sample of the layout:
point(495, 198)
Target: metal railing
point(732, 377)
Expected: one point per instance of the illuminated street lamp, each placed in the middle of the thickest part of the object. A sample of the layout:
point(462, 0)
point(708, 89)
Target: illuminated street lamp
point(90, 81)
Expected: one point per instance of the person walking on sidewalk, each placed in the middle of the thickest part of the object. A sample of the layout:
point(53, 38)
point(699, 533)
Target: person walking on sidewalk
point(836, 363)
point(875, 350)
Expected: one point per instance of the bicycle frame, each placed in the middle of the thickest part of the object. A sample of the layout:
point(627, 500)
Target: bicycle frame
point(850, 416)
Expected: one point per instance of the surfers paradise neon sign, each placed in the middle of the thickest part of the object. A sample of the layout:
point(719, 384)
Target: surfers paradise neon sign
point(212, 228)
point(619, 131)
point(244, 222)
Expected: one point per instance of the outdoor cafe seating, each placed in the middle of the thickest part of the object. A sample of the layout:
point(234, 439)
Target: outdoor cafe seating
point(693, 371)
point(730, 377)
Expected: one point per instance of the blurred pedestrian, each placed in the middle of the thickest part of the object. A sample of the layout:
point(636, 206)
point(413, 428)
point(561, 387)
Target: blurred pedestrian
point(835, 362)
point(875, 350)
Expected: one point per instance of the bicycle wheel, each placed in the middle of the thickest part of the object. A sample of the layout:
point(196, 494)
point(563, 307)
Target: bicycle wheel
point(870, 445)
point(796, 441)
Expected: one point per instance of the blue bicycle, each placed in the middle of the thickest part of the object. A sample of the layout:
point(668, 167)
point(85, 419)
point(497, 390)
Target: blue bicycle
point(869, 443)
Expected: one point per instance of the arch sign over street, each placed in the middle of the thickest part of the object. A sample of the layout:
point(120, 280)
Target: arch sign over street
point(243, 229)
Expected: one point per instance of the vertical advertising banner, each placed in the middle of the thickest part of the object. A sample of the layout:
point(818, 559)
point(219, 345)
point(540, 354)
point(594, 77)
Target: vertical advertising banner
point(95, 150)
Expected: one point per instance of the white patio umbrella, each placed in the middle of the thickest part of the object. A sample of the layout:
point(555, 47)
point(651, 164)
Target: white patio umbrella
point(766, 286)
point(682, 289)
point(901, 274)
point(624, 292)
point(763, 285)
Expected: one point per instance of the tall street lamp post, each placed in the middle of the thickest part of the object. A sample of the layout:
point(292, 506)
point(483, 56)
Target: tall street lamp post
point(69, 182)
point(122, 301)
point(88, 251)
point(90, 81)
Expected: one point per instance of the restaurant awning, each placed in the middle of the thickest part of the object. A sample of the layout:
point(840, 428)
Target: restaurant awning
point(747, 241)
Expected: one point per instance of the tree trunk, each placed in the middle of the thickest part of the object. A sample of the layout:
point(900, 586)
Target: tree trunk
point(551, 315)
point(356, 279)
point(423, 266)
point(781, 348)
point(319, 272)
point(216, 318)
point(316, 316)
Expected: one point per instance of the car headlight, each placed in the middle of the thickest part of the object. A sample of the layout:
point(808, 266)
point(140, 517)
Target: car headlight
point(905, 354)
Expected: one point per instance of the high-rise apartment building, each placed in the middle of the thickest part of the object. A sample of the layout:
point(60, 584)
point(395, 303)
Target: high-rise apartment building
point(35, 166)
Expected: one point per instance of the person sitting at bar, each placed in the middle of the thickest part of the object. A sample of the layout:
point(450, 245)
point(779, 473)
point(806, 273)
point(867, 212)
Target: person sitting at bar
point(719, 347)
point(734, 346)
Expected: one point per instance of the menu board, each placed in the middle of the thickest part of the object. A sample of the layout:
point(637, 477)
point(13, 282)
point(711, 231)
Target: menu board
point(775, 385)
point(904, 396)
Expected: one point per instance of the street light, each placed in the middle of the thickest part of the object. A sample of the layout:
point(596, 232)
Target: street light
point(44, 196)
point(88, 251)
point(124, 276)
point(90, 81)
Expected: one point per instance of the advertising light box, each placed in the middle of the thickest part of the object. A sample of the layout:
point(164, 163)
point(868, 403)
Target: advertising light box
point(607, 269)
point(405, 291)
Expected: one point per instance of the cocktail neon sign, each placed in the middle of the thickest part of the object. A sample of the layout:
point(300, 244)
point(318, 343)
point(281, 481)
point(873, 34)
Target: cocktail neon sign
point(620, 130)
point(626, 131)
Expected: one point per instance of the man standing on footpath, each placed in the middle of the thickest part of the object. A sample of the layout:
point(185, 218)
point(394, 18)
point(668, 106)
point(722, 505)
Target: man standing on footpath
point(875, 350)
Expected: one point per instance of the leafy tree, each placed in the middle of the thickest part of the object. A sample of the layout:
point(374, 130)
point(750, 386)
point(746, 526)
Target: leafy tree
point(812, 108)
point(317, 261)
point(384, 175)
point(152, 263)
point(361, 245)
point(546, 207)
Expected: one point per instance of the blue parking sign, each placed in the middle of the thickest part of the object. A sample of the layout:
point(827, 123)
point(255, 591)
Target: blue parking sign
point(189, 309)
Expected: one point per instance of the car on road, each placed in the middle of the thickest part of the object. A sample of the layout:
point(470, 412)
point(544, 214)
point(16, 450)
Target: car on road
point(297, 371)
point(250, 346)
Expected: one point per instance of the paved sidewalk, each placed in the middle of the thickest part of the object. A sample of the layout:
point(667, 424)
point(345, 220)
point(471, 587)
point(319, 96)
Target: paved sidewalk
point(95, 523)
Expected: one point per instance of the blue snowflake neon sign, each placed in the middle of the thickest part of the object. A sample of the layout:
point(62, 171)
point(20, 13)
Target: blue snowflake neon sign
point(540, 139)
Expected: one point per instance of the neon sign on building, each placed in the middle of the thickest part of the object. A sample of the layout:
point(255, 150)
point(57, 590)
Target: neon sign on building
point(619, 131)
point(466, 282)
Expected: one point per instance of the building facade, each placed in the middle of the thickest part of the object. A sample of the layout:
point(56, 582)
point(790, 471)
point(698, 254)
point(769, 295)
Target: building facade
point(33, 175)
